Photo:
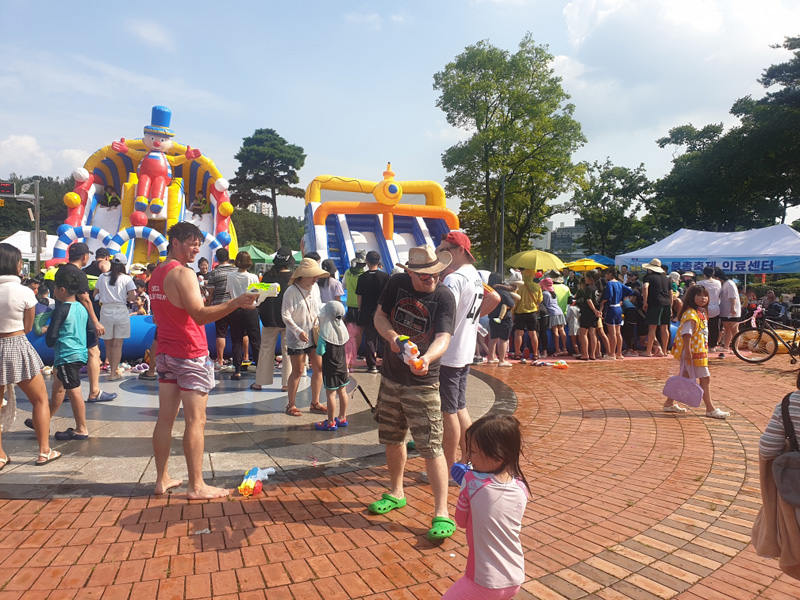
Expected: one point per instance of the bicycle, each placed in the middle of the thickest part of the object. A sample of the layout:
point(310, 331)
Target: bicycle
point(762, 339)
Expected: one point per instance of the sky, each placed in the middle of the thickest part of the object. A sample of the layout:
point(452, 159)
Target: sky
point(352, 81)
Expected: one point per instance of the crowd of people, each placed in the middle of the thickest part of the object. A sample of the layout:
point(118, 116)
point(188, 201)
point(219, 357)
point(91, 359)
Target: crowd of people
point(436, 302)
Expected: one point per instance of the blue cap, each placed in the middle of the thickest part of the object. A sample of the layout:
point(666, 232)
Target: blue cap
point(159, 122)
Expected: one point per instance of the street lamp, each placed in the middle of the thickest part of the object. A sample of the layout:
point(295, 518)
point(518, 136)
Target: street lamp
point(33, 199)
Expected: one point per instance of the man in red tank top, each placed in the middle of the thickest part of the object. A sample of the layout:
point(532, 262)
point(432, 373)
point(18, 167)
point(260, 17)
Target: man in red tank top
point(186, 373)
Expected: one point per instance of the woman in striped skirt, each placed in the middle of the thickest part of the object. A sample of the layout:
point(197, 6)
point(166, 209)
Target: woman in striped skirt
point(19, 362)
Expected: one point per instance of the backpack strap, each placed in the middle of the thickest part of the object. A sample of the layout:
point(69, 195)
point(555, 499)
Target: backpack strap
point(788, 426)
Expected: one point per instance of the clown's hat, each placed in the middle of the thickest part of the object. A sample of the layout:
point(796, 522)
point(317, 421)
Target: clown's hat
point(159, 122)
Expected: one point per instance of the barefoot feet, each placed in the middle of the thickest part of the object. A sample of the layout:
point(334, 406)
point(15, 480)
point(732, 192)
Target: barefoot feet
point(206, 492)
point(167, 484)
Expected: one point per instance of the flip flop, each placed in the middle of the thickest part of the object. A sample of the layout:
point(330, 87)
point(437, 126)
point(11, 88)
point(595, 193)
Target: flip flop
point(318, 408)
point(4, 462)
point(70, 434)
point(386, 504)
point(293, 411)
point(48, 458)
point(143, 375)
point(441, 529)
point(236, 376)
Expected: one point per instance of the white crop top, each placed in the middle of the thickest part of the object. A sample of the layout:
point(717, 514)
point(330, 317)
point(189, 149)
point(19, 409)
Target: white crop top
point(15, 299)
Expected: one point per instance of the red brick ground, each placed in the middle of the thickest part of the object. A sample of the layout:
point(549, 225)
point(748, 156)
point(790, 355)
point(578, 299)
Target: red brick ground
point(628, 502)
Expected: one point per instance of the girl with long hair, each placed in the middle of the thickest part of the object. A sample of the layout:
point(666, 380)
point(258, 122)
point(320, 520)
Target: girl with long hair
point(115, 290)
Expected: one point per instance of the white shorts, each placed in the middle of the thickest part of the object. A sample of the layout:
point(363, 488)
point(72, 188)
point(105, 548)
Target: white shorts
point(117, 321)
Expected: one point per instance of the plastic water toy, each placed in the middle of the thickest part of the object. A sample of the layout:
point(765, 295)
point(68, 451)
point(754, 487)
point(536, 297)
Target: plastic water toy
point(264, 291)
point(344, 215)
point(252, 482)
point(409, 352)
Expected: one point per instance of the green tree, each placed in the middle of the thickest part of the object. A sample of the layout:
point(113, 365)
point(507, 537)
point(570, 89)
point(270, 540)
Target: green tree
point(522, 139)
point(14, 215)
point(268, 169)
point(256, 229)
point(607, 201)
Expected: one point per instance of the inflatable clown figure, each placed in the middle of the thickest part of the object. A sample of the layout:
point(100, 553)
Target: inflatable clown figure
point(155, 168)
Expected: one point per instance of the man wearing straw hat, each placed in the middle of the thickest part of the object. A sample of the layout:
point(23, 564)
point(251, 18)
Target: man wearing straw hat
point(657, 298)
point(415, 304)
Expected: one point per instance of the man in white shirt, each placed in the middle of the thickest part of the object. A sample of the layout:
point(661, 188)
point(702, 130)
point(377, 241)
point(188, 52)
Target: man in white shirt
point(466, 284)
point(714, 287)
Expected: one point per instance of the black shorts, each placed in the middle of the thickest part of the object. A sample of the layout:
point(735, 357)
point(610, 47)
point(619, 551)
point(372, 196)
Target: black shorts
point(299, 351)
point(526, 321)
point(334, 367)
point(453, 388)
point(69, 374)
point(91, 339)
point(222, 326)
point(659, 315)
point(587, 319)
point(352, 315)
point(501, 330)
point(731, 319)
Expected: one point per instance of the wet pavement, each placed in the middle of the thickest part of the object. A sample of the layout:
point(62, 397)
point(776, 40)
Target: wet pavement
point(628, 501)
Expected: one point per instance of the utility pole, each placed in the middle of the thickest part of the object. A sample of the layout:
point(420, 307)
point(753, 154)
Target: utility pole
point(7, 190)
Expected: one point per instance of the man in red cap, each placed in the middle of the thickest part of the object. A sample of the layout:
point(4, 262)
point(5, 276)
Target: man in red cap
point(472, 302)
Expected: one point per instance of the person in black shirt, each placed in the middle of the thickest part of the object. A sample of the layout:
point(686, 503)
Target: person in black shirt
point(368, 290)
point(272, 324)
point(416, 305)
point(657, 298)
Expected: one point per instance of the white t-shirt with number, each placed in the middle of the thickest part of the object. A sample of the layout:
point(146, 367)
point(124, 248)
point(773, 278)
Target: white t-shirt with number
point(467, 287)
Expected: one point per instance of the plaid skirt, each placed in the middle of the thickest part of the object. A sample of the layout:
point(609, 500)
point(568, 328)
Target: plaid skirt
point(18, 360)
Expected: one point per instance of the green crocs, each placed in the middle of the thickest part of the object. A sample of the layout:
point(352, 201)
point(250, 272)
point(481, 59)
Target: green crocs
point(441, 529)
point(386, 504)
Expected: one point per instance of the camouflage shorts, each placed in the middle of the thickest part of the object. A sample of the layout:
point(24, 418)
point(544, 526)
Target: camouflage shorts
point(417, 408)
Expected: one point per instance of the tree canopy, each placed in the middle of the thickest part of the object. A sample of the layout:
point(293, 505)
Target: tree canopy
point(522, 137)
point(268, 169)
point(14, 215)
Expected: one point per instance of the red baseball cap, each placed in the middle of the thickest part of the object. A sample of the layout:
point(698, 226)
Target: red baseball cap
point(459, 238)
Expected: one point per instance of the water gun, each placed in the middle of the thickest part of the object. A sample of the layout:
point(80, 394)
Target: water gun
point(559, 364)
point(409, 352)
point(252, 482)
point(264, 290)
point(458, 470)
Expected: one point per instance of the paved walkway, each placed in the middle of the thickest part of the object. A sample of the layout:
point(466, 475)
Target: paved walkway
point(628, 502)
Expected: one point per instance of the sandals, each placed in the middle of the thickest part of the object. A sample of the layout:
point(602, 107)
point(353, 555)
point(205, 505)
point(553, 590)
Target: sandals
point(318, 408)
point(70, 434)
point(293, 411)
point(340, 422)
point(326, 426)
point(236, 377)
point(4, 462)
point(441, 529)
point(255, 387)
point(386, 504)
point(48, 458)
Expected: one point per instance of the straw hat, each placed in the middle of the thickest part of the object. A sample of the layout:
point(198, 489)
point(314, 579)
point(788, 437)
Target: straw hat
point(675, 276)
point(331, 323)
point(654, 265)
point(424, 260)
point(308, 267)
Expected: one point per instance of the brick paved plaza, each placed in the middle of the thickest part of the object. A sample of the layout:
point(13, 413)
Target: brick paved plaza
point(628, 502)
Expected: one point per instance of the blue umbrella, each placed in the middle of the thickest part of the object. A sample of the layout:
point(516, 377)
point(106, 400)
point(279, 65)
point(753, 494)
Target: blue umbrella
point(603, 260)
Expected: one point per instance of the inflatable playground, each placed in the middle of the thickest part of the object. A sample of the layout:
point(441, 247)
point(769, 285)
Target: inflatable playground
point(346, 215)
point(126, 197)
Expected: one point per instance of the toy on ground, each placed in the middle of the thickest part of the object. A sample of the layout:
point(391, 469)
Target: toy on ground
point(264, 291)
point(252, 482)
point(409, 352)
point(559, 364)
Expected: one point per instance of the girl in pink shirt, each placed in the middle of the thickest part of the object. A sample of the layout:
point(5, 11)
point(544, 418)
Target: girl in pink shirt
point(490, 507)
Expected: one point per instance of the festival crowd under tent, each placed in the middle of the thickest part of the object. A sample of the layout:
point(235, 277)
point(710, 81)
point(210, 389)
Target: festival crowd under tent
point(773, 249)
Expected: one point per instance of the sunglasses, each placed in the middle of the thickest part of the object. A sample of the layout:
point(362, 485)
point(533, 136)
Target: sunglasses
point(427, 276)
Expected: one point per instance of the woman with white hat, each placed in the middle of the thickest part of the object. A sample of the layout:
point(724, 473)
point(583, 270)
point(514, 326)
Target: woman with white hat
point(114, 290)
point(300, 311)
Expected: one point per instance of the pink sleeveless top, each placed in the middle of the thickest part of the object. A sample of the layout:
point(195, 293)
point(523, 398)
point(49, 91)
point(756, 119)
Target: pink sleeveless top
point(179, 335)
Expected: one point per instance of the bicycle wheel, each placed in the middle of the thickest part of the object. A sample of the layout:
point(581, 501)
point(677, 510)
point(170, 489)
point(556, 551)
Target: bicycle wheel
point(755, 345)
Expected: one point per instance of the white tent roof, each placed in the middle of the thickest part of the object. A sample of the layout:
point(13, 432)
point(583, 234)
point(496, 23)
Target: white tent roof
point(773, 249)
point(22, 240)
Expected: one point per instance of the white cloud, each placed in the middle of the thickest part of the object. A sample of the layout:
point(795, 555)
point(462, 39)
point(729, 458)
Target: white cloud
point(446, 134)
point(151, 34)
point(22, 154)
point(370, 21)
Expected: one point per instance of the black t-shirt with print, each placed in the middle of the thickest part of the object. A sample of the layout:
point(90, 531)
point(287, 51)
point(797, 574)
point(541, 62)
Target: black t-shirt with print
point(420, 316)
point(658, 291)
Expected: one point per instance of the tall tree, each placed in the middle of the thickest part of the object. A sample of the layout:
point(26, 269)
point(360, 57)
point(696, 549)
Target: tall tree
point(268, 169)
point(607, 202)
point(522, 135)
point(14, 215)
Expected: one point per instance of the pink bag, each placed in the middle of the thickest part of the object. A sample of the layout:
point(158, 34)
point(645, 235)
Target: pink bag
point(684, 389)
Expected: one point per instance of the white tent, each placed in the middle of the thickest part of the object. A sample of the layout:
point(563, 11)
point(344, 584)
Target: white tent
point(22, 240)
point(773, 249)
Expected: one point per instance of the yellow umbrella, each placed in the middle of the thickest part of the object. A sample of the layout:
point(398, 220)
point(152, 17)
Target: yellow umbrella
point(585, 264)
point(538, 260)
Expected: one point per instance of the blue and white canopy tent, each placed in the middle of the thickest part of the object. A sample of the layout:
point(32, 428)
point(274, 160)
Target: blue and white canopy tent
point(773, 249)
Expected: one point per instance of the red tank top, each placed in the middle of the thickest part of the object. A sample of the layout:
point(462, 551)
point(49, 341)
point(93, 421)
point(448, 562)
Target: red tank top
point(179, 335)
